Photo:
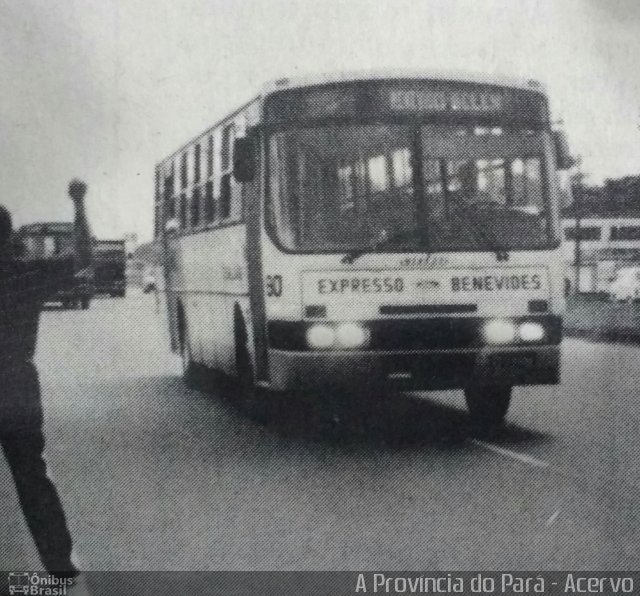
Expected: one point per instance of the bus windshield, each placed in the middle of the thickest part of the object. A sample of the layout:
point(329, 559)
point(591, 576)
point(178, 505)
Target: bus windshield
point(351, 187)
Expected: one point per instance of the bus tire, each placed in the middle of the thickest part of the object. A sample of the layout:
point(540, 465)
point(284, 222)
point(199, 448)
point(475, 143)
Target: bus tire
point(251, 400)
point(488, 404)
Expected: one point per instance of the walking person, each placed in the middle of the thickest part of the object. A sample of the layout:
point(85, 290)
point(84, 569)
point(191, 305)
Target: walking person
point(24, 285)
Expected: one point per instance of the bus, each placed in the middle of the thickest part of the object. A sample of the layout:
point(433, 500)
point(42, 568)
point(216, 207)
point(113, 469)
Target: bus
point(370, 232)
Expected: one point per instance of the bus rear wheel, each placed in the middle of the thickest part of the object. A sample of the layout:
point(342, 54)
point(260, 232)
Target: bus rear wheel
point(488, 404)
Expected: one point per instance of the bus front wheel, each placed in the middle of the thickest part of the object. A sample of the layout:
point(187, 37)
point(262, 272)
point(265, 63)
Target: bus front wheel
point(251, 399)
point(488, 404)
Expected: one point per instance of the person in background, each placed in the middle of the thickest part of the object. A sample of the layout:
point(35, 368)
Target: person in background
point(25, 284)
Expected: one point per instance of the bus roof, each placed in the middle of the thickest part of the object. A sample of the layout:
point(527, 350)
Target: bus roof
point(361, 76)
point(398, 74)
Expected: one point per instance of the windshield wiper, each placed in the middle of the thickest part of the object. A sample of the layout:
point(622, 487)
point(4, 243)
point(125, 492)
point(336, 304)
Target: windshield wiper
point(383, 241)
point(486, 237)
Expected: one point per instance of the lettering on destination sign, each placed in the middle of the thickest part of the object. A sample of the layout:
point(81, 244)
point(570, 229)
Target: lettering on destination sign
point(433, 100)
point(361, 285)
point(492, 283)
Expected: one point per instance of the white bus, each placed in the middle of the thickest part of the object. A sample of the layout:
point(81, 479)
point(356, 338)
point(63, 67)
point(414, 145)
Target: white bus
point(370, 231)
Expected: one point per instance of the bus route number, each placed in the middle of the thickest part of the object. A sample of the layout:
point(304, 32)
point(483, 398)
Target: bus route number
point(274, 285)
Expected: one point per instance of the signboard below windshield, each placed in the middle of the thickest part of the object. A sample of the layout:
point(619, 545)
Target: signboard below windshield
point(425, 98)
point(421, 286)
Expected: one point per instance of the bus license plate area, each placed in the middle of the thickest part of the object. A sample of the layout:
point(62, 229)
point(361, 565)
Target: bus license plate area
point(450, 371)
point(509, 363)
point(433, 371)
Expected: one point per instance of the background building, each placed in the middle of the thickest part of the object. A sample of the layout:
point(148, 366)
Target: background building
point(605, 221)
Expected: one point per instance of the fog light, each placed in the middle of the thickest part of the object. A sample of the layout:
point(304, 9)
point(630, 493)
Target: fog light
point(352, 335)
point(531, 332)
point(320, 336)
point(499, 332)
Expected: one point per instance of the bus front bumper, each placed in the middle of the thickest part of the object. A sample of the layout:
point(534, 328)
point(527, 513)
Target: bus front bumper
point(445, 369)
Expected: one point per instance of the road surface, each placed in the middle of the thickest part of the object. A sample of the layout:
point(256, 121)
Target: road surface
point(155, 476)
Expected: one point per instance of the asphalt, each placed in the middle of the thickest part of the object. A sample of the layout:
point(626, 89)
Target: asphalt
point(158, 477)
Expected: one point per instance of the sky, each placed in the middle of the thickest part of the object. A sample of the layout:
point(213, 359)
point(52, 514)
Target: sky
point(104, 89)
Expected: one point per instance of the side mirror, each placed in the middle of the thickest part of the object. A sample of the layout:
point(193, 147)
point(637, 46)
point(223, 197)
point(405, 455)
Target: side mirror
point(564, 159)
point(172, 226)
point(243, 160)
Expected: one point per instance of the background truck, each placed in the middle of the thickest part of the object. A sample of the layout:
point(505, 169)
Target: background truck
point(64, 240)
point(110, 263)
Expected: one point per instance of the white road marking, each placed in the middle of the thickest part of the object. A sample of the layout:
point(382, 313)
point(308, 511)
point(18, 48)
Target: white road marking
point(521, 457)
point(553, 518)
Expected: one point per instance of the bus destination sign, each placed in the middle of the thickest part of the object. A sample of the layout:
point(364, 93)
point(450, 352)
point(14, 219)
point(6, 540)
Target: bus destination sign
point(420, 100)
point(425, 98)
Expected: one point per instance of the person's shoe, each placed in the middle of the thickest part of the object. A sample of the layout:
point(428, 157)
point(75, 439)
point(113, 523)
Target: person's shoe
point(80, 587)
point(74, 560)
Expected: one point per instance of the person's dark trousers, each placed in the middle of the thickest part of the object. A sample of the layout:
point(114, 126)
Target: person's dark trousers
point(22, 438)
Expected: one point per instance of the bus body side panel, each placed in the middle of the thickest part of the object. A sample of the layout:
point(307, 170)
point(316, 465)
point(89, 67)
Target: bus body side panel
point(210, 280)
point(205, 269)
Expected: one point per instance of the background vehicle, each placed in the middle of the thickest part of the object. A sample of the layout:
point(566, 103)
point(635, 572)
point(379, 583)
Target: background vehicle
point(65, 240)
point(626, 285)
point(364, 232)
point(110, 264)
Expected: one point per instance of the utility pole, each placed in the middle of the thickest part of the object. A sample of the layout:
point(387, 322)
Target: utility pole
point(578, 203)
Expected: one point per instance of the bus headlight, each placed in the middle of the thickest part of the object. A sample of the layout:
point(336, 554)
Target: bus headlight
point(499, 332)
point(352, 335)
point(531, 331)
point(321, 337)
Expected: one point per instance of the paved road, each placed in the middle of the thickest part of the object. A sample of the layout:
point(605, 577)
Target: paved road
point(155, 476)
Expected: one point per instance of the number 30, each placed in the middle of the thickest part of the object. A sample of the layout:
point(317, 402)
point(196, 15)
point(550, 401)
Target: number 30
point(274, 285)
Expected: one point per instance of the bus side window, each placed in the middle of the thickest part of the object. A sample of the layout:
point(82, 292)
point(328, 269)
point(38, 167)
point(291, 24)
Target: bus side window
point(209, 203)
point(228, 134)
point(196, 163)
point(226, 183)
point(183, 212)
point(184, 179)
point(210, 156)
point(225, 196)
point(195, 208)
point(169, 209)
